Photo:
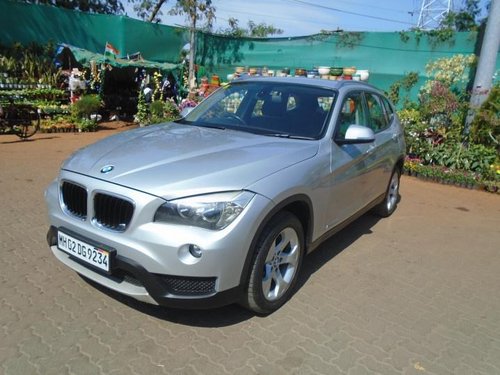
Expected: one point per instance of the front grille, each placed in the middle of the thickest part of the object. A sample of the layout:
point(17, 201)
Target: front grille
point(75, 199)
point(112, 212)
point(189, 286)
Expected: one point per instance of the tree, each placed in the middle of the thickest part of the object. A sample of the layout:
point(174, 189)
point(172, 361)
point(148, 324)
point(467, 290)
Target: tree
point(91, 6)
point(148, 10)
point(195, 12)
point(466, 19)
point(254, 30)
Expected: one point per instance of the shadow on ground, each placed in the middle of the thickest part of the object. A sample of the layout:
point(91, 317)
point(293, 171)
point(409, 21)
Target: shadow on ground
point(233, 314)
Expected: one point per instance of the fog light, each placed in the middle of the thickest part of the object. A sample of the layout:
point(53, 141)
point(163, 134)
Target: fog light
point(195, 251)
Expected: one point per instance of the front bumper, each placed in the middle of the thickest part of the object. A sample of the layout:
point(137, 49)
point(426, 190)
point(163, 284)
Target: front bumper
point(131, 279)
point(152, 262)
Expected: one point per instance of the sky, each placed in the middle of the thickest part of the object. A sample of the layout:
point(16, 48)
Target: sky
point(306, 17)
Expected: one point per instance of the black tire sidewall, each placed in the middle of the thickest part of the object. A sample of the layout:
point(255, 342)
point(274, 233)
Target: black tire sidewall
point(273, 228)
point(382, 208)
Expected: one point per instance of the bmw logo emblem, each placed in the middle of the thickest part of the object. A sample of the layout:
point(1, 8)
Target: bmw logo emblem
point(107, 168)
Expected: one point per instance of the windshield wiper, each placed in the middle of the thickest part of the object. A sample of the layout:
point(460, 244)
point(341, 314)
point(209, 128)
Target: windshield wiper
point(211, 126)
point(201, 125)
point(290, 136)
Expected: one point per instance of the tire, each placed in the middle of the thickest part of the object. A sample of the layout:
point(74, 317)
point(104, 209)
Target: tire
point(277, 259)
point(28, 122)
point(391, 198)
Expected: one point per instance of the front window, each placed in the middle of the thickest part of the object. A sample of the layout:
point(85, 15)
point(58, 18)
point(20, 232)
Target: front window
point(267, 107)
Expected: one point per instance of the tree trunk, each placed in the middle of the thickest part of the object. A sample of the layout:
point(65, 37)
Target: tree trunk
point(156, 10)
point(192, 49)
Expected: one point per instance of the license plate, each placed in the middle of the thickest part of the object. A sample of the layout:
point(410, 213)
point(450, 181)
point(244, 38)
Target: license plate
point(90, 254)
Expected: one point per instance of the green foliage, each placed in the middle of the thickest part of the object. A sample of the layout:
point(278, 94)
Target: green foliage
point(403, 35)
point(435, 37)
point(466, 19)
point(30, 63)
point(450, 71)
point(440, 36)
point(86, 125)
point(349, 39)
point(485, 129)
point(406, 83)
point(142, 115)
point(441, 101)
point(90, 6)
point(156, 109)
point(254, 30)
point(414, 129)
point(163, 112)
point(475, 158)
point(30, 95)
point(86, 106)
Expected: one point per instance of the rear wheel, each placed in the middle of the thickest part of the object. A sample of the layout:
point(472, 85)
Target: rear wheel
point(388, 206)
point(28, 122)
point(277, 260)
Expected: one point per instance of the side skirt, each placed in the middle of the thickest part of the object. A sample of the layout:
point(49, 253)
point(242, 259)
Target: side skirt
point(315, 244)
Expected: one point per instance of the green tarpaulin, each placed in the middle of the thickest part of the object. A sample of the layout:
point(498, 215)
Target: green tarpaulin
point(84, 57)
point(388, 56)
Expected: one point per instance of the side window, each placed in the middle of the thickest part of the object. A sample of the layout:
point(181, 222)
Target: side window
point(352, 112)
point(376, 111)
point(388, 109)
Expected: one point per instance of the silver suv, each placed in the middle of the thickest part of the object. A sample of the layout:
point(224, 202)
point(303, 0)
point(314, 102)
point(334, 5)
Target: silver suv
point(222, 205)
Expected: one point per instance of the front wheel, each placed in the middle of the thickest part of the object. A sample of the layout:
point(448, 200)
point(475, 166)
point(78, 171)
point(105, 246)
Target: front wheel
point(277, 260)
point(390, 202)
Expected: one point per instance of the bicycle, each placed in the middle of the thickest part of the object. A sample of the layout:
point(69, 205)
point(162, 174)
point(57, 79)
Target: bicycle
point(22, 120)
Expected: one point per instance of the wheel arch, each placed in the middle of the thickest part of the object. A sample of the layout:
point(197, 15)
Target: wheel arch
point(299, 205)
point(400, 164)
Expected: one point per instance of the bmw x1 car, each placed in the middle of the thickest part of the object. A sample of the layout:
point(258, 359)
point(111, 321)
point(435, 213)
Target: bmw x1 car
point(222, 205)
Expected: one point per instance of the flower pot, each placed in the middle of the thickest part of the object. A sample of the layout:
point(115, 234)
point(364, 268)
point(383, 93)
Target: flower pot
point(349, 71)
point(300, 72)
point(336, 71)
point(323, 70)
point(363, 74)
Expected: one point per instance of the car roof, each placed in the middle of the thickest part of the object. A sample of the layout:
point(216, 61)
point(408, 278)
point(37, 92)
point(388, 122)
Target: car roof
point(315, 82)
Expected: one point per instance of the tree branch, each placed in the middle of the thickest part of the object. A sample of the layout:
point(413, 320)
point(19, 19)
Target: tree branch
point(156, 9)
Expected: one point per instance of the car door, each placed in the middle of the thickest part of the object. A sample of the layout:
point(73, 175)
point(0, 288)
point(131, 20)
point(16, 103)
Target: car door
point(348, 181)
point(379, 162)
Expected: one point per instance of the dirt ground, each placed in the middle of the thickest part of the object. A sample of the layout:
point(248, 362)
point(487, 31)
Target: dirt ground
point(417, 293)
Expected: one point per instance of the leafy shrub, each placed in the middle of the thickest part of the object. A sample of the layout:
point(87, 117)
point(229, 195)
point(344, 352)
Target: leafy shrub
point(474, 158)
point(157, 110)
point(87, 125)
point(163, 111)
point(87, 105)
point(485, 128)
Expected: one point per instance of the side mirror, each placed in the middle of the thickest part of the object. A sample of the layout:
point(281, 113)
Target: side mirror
point(357, 134)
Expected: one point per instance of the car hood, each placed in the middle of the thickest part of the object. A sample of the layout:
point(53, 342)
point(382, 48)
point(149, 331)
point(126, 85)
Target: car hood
point(173, 160)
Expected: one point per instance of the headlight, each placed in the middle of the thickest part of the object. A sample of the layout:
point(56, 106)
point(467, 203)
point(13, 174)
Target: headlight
point(214, 211)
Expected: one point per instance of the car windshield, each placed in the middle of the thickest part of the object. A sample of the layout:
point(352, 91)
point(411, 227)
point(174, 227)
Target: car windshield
point(266, 107)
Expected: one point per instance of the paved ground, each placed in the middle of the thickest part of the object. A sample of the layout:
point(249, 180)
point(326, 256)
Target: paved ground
point(417, 293)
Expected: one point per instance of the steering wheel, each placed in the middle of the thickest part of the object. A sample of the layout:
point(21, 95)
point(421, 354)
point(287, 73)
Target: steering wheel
point(234, 116)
